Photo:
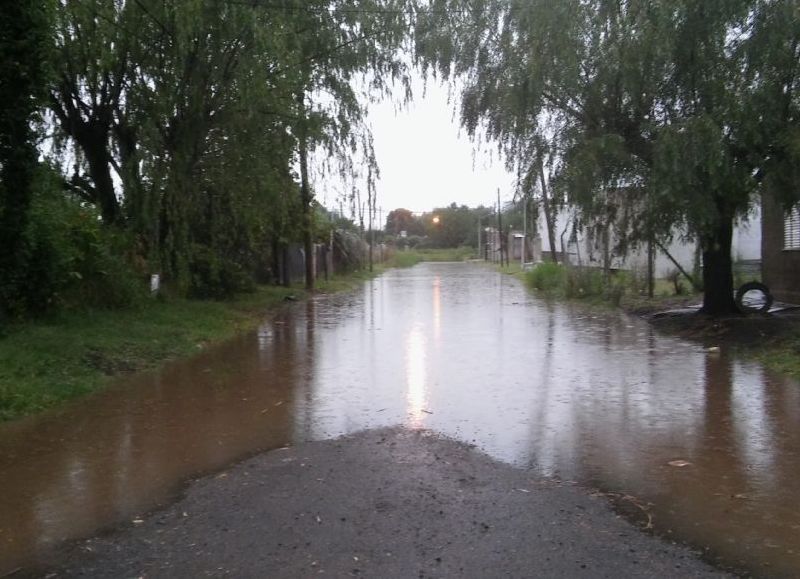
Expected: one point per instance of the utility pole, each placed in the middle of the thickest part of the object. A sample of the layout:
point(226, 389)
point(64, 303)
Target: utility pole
point(524, 231)
point(651, 267)
point(479, 237)
point(500, 226)
point(370, 213)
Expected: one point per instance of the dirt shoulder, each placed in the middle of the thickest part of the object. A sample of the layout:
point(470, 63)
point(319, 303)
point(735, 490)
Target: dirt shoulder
point(386, 503)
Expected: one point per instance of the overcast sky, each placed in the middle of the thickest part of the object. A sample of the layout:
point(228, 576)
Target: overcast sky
point(427, 161)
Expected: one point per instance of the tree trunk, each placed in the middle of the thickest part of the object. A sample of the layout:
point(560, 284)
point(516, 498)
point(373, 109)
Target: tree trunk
point(92, 136)
point(17, 171)
point(305, 193)
point(286, 279)
point(174, 235)
point(177, 202)
point(548, 214)
point(651, 268)
point(141, 202)
point(95, 147)
point(371, 214)
point(718, 270)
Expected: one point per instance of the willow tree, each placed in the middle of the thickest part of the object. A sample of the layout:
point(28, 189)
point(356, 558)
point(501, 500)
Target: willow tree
point(347, 52)
point(175, 116)
point(207, 90)
point(93, 43)
point(676, 113)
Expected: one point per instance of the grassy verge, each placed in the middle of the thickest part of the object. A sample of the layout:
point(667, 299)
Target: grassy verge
point(45, 363)
point(415, 256)
point(620, 289)
point(782, 354)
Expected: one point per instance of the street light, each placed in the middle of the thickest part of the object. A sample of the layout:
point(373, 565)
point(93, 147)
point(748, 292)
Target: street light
point(436, 220)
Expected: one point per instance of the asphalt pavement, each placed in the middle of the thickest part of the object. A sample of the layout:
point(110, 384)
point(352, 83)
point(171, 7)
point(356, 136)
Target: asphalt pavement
point(389, 503)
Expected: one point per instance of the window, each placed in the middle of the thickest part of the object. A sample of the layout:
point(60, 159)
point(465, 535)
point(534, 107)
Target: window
point(791, 230)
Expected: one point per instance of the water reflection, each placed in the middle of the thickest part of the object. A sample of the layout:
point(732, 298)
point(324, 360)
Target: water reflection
point(437, 308)
point(598, 398)
point(416, 377)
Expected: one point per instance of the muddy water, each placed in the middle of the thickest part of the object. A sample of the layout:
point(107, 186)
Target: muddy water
point(585, 396)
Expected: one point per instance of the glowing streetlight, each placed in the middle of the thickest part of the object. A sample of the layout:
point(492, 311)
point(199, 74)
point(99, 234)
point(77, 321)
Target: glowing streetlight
point(436, 220)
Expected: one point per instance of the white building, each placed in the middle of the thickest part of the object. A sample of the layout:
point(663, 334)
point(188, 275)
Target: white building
point(580, 249)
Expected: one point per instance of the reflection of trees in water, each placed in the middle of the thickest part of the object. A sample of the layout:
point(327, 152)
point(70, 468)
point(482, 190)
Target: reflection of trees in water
point(542, 451)
point(721, 459)
point(302, 385)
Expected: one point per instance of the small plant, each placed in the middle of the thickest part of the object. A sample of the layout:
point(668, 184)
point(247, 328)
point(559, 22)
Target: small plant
point(617, 286)
point(405, 259)
point(584, 282)
point(547, 277)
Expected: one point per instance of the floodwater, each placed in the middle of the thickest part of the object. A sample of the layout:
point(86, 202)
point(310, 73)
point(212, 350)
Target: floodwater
point(598, 398)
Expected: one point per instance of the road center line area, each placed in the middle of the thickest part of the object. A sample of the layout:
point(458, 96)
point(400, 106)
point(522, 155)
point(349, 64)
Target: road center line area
point(383, 503)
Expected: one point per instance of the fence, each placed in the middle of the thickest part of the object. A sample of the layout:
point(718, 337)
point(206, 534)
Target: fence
point(345, 252)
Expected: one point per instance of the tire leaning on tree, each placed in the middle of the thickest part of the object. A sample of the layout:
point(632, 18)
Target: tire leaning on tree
point(753, 297)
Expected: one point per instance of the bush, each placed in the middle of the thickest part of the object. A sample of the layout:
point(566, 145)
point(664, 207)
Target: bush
point(214, 277)
point(619, 283)
point(584, 282)
point(70, 260)
point(547, 277)
point(579, 282)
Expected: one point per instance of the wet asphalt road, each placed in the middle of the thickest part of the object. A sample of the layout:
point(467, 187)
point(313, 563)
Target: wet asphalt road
point(382, 503)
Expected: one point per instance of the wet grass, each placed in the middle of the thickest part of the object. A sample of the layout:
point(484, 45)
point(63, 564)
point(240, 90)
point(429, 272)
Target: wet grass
point(414, 256)
point(622, 289)
point(350, 281)
point(781, 355)
point(47, 362)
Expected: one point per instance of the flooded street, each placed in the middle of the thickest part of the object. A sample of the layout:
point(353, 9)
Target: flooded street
point(581, 395)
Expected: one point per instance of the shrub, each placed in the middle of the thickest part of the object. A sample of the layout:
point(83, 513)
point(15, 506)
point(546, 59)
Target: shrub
point(584, 282)
point(547, 277)
point(619, 282)
point(214, 277)
point(580, 282)
point(70, 260)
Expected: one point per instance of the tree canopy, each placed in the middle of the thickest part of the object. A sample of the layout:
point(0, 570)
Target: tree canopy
point(185, 127)
point(661, 117)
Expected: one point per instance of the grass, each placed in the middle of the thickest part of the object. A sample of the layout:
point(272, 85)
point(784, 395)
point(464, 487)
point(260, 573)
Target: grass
point(620, 289)
point(781, 355)
point(414, 256)
point(350, 281)
point(47, 362)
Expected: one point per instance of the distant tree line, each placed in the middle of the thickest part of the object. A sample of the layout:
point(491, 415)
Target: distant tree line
point(443, 227)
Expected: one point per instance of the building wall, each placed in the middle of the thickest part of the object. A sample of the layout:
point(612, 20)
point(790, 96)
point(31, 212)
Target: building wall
point(780, 268)
point(746, 246)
